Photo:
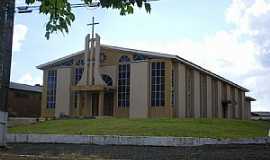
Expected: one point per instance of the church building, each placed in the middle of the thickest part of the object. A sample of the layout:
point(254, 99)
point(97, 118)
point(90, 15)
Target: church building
point(104, 80)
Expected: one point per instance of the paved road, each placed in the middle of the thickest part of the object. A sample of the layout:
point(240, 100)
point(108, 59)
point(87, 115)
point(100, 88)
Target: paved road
point(86, 152)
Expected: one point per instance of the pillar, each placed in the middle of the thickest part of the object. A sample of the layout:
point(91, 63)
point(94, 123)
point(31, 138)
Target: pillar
point(100, 103)
point(219, 99)
point(229, 98)
point(181, 92)
point(243, 105)
point(237, 109)
point(209, 97)
point(197, 101)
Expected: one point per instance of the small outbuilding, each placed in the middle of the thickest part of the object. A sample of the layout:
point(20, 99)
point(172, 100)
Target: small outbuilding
point(260, 115)
point(24, 100)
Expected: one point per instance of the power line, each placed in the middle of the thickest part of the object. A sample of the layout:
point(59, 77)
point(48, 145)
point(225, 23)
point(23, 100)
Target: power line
point(30, 9)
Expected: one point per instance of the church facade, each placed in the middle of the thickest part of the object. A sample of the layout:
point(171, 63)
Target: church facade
point(104, 80)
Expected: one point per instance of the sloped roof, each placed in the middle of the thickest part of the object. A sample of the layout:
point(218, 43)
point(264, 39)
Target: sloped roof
point(25, 87)
point(148, 53)
point(250, 98)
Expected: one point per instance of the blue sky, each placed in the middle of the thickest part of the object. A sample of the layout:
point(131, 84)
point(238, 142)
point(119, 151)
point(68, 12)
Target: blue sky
point(227, 37)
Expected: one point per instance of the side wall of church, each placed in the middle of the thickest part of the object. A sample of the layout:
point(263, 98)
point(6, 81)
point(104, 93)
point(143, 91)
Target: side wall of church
point(202, 96)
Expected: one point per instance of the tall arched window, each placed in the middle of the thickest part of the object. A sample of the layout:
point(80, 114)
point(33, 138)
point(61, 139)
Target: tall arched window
point(123, 82)
point(124, 59)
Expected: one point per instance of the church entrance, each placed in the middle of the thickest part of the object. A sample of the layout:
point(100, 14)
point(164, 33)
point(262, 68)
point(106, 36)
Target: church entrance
point(108, 103)
point(95, 99)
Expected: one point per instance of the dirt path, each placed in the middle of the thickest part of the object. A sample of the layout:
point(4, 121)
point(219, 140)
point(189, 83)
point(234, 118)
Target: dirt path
point(89, 152)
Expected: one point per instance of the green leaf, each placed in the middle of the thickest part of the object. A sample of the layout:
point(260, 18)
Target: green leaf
point(147, 7)
point(61, 14)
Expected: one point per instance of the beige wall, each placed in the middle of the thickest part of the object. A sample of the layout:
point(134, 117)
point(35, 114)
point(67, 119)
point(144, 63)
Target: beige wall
point(139, 90)
point(63, 92)
point(181, 91)
point(196, 94)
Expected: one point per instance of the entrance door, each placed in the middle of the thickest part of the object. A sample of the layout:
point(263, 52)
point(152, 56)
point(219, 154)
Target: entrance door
point(108, 104)
point(225, 111)
point(94, 104)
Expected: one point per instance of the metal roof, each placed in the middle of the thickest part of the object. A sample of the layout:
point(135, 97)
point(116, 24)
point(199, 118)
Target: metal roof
point(25, 87)
point(149, 53)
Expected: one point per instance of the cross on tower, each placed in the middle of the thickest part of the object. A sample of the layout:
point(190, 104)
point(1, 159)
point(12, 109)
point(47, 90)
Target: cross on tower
point(93, 26)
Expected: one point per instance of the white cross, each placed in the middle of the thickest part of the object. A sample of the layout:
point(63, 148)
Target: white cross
point(93, 26)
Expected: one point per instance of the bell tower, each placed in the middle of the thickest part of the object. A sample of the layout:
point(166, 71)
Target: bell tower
point(91, 75)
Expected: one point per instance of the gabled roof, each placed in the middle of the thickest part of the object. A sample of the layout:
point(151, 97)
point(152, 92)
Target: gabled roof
point(25, 87)
point(148, 53)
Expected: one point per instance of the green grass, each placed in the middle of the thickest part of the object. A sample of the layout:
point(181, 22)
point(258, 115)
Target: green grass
point(150, 127)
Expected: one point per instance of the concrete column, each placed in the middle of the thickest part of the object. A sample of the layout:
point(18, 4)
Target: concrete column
point(236, 103)
point(197, 88)
point(100, 103)
point(209, 97)
point(244, 110)
point(181, 91)
point(229, 98)
point(139, 90)
point(219, 99)
point(63, 93)
point(248, 109)
point(89, 103)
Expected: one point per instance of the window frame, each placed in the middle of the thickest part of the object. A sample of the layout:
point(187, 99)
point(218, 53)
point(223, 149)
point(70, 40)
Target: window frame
point(123, 88)
point(51, 88)
point(157, 84)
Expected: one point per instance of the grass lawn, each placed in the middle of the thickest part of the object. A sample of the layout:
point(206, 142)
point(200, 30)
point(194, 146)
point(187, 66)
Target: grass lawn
point(150, 127)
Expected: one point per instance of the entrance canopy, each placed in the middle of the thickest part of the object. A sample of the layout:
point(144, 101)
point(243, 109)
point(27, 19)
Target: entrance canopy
point(92, 88)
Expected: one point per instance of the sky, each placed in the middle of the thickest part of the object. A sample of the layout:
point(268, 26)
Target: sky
point(229, 37)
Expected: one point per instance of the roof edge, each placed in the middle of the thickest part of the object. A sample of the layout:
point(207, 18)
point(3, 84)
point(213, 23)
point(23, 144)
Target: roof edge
point(151, 53)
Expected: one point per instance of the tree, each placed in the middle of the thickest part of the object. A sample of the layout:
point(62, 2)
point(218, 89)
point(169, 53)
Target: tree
point(61, 15)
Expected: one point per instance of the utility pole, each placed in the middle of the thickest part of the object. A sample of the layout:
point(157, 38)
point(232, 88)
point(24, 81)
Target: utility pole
point(7, 9)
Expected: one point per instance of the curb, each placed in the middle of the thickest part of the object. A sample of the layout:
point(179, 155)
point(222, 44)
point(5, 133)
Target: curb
point(129, 140)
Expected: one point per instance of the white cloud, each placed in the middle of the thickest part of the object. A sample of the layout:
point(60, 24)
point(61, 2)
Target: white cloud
point(27, 78)
point(238, 54)
point(19, 35)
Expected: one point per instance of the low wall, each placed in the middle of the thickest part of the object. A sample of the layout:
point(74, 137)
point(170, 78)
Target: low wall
point(128, 140)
